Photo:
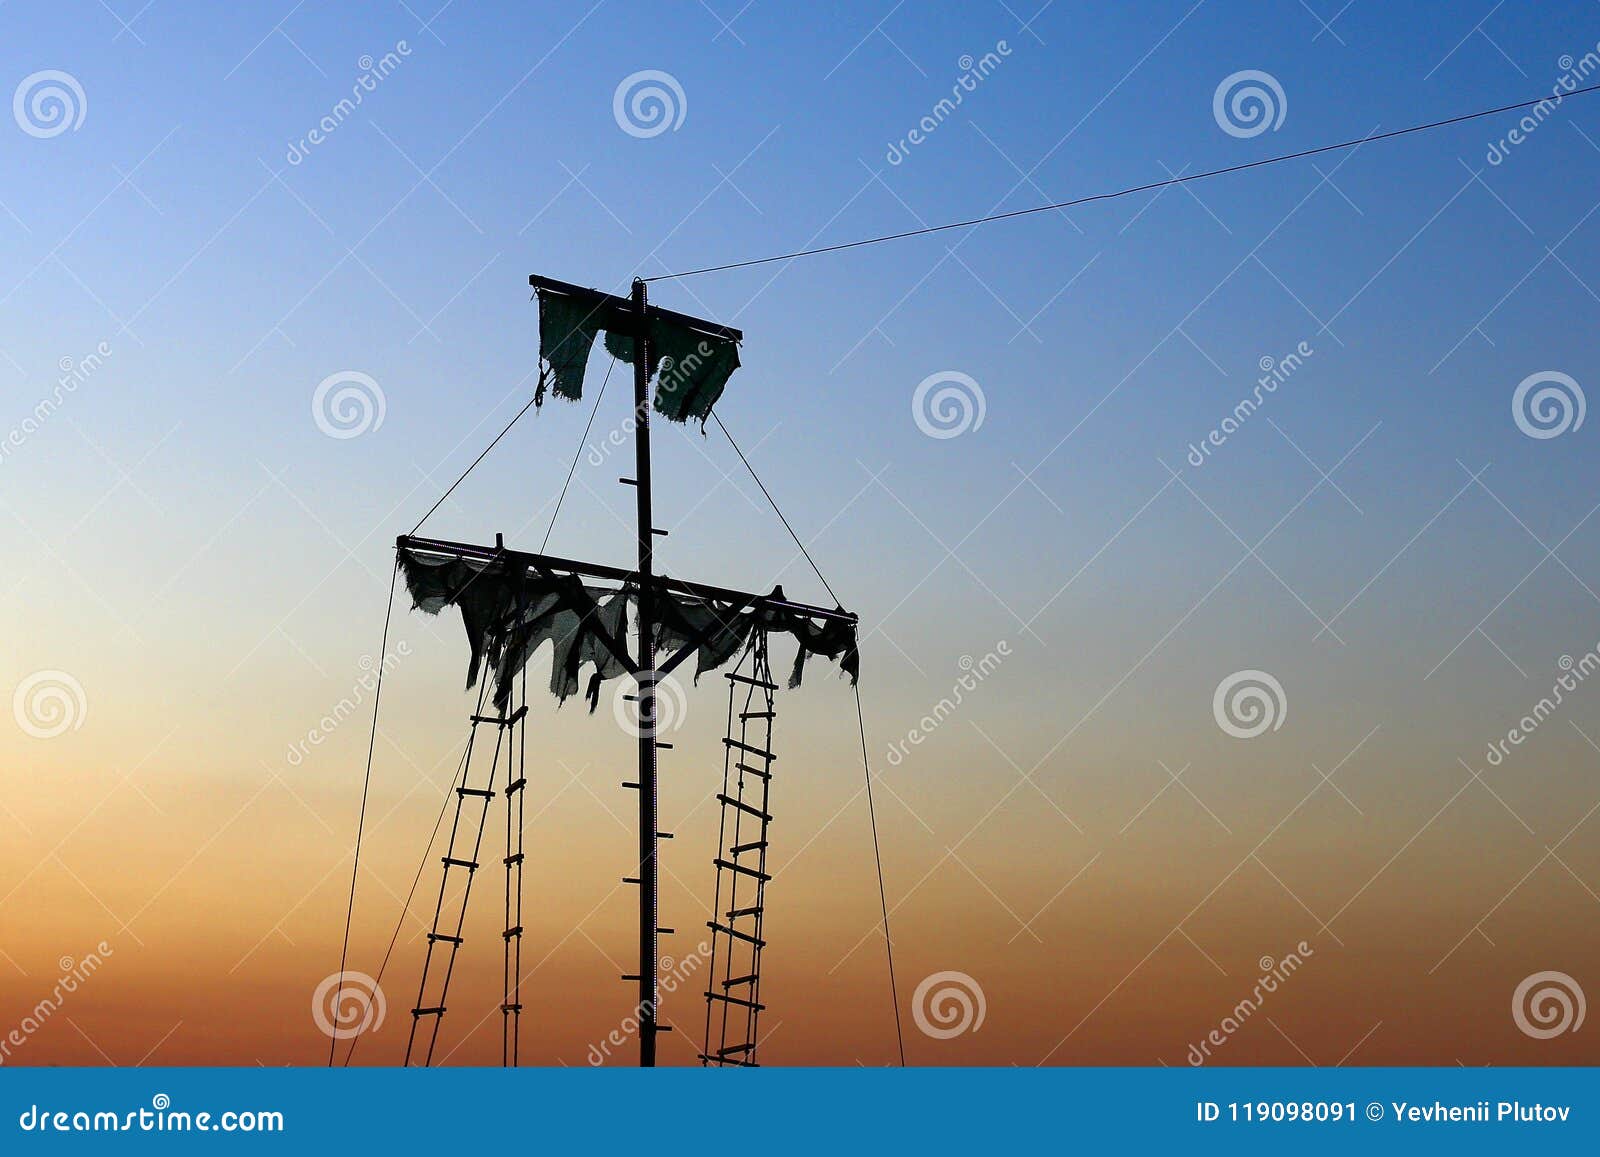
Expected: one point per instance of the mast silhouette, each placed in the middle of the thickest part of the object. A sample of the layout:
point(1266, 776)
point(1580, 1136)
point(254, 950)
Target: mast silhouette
point(633, 316)
point(649, 836)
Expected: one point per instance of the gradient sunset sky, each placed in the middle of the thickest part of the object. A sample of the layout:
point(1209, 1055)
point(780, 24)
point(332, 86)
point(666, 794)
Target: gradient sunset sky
point(201, 568)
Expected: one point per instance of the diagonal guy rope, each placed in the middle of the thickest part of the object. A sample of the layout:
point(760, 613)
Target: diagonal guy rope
point(361, 822)
point(1353, 142)
point(866, 765)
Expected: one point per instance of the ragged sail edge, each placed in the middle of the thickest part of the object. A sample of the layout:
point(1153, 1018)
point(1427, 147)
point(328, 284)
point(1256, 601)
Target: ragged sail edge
point(691, 368)
point(509, 612)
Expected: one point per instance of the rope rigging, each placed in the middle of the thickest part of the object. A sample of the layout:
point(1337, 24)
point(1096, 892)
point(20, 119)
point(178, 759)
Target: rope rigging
point(576, 454)
point(492, 444)
point(883, 897)
point(738, 908)
point(866, 767)
point(775, 509)
point(422, 865)
point(1353, 142)
point(749, 756)
point(361, 821)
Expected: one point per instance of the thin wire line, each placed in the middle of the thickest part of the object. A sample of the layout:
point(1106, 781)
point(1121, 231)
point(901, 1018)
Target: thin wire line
point(415, 880)
point(775, 509)
point(883, 897)
point(576, 454)
point(861, 726)
point(475, 462)
point(366, 783)
point(1349, 144)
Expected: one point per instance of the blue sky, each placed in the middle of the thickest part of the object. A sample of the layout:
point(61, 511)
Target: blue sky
point(183, 527)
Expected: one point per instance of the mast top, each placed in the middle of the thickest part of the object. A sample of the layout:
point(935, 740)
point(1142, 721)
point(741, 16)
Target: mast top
point(617, 313)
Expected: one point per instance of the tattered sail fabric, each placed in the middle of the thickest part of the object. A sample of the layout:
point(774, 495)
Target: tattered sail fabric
point(567, 329)
point(509, 612)
point(691, 368)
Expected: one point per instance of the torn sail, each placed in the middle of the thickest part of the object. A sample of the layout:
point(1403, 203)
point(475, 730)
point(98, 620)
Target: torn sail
point(691, 367)
point(510, 611)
